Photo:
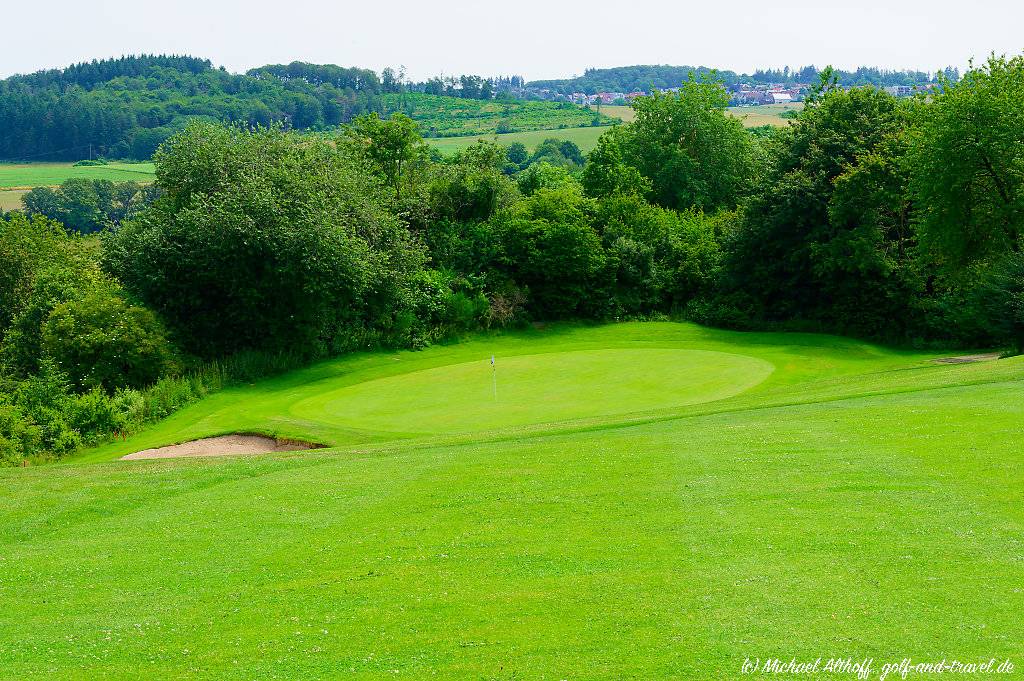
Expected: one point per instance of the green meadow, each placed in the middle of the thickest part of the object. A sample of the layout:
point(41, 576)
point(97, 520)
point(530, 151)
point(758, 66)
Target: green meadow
point(29, 175)
point(585, 139)
point(641, 500)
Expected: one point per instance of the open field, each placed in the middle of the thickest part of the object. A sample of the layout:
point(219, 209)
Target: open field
point(753, 116)
point(623, 113)
point(585, 138)
point(10, 199)
point(639, 501)
point(766, 114)
point(29, 175)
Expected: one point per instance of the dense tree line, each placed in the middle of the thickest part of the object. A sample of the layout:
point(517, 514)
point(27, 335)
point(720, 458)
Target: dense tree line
point(87, 205)
point(895, 219)
point(359, 80)
point(644, 78)
point(125, 108)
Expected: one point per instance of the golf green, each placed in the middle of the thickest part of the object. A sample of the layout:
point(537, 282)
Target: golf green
point(543, 380)
point(526, 389)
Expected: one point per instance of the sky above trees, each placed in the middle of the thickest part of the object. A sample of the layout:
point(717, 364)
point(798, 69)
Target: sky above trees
point(535, 38)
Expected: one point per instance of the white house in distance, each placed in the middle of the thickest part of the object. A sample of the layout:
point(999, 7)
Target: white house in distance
point(781, 97)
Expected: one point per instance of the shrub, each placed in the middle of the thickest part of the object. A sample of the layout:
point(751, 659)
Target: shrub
point(265, 241)
point(101, 341)
point(506, 307)
point(53, 285)
point(544, 175)
point(19, 437)
point(548, 245)
point(44, 398)
point(95, 415)
point(27, 245)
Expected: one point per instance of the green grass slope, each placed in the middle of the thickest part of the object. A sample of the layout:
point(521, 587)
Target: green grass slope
point(791, 496)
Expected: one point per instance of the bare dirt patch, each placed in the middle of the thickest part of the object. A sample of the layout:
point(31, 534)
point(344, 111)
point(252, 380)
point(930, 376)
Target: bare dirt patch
point(968, 359)
point(225, 445)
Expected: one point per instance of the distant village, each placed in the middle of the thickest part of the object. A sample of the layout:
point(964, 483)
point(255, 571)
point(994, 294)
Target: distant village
point(739, 95)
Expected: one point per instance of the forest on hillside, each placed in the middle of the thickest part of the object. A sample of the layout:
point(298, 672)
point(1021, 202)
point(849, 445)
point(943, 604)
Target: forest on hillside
point(125, 108)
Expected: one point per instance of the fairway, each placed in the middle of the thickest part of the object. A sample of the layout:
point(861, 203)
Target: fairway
point(29, 175)
point(642, 500)
point(585, 139)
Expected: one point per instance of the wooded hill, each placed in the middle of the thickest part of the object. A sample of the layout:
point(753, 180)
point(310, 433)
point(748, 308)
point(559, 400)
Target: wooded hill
point(126, 107)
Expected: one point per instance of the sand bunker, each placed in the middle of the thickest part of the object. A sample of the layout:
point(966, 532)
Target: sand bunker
point(968, 359)
point(225, 445)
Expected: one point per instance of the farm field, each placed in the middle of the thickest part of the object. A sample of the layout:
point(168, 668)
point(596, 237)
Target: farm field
point(10, 199)
point(623, 113)
point(29, 175)
point(441, 116)
point(766, 114)
point(705, 495)
point(753, 116)
point(585, 139)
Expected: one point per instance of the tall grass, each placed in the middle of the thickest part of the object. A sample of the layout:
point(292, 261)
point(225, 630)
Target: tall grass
point(171, 393)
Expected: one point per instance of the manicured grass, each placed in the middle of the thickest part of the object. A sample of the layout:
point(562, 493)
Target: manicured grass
point(585, 139)
point(28, 175)
point(529, 389)
point(836, 499)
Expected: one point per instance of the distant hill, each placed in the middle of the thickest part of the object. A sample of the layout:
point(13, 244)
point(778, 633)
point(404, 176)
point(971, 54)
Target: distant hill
point(642, 78)
point(125, 108)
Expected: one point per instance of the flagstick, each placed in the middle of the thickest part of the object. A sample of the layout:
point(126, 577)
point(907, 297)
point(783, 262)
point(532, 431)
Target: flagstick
point(494, 378)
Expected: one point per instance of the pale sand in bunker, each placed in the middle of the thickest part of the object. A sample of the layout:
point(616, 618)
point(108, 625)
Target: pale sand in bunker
point(224, 445)
point(969, 359)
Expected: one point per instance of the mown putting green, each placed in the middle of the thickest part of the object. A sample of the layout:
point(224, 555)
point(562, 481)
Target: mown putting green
point(527, 389)
point(782, 495)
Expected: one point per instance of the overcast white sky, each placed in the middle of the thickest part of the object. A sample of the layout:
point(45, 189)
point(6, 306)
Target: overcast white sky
point(534, 38)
